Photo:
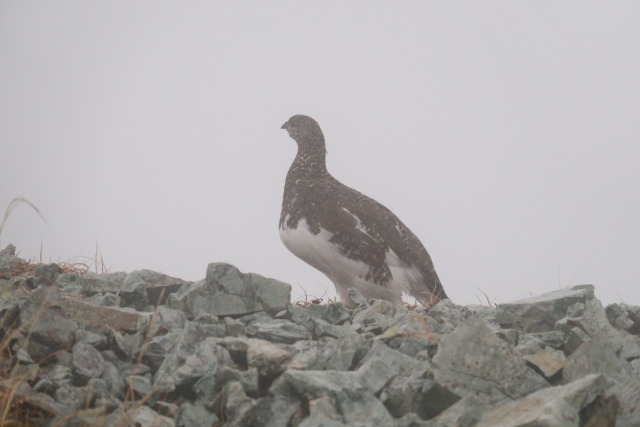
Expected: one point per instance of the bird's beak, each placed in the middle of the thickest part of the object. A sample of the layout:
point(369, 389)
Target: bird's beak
point(284, 126)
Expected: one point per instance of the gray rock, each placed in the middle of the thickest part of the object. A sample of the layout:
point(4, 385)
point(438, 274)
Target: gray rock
point(239, 410)
point(335, 313)
point(419, 328)
point(619, 317)
point(473, 361)
point(278, 331)
point(382, 364)
point(105, 300)
point(275, 411)
point(92, 283)
point(133, 292)
point(378, 308)
point(114, 380)
point(558, 406)
point(269, 359)
point(165, 319)
point(226, 291)
point(534, 342)
point(548, 362)
point(353, 401)
point(249, 378)
point(10, 264)
point(628, 395)
point(158, 286)
point(448, 315)
point(190, 415)
point(464, 413)
point(128, 345)
point(417, 394)
point(52, 329)
point(103, 319)
point(634, 315)
point(540, 314)
point(143, 416)
point(155, 351)
point(233, 327)
point(88, 363)
point(46, 274)
point(355, 301)
point(320, 329)
point(98, 341)
point(593, 357)
point(140, 385)
point(334, 355)
point(575, 337)
point(195, 354)
point(488, 314)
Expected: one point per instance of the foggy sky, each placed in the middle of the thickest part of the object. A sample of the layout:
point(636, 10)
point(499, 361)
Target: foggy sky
point(506, 135)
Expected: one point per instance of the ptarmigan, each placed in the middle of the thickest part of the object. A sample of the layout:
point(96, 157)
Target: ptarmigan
point(354, 240)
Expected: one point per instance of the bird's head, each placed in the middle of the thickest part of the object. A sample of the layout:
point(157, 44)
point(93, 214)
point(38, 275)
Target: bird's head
point(304, 130)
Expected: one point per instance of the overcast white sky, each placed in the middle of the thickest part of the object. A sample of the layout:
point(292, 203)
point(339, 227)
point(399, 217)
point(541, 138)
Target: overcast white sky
point(505, 134)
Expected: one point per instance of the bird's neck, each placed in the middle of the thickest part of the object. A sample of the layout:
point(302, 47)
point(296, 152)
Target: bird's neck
point(310, 162)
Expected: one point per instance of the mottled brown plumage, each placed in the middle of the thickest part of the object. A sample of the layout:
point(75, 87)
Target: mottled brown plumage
point(356, 226)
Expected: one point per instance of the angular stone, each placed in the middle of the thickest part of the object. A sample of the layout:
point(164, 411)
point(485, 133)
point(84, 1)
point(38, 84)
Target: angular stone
point(101, 319)
point(488, 314)
point(464, 413)
point(353, 401)
point(46, 274)
point(143, 416)
point(52, 329)
point(417, 394)
point(335, 313)
point(228, 292)
point(114, 380)
point(133, 292)
point(628, 395)
point(382, 364)
point(269, 359)
point(320, 329)
point(10, 264)
point(539, 314)
point(448, 315)
point(278, 331)
point(98, 341)
point(276, 411)
point(155, 351)
point(88, 363)
point(166, 319)
point(549, 362)
point(195, 355)
point(575, 337)
point(411, 325)
point(534, 342)
point(592, 357)
point(334, 355)
point(355, 301)
point(43, 402)
point(239, 410)
point(375, 310)
point(140, 385)
point(158, 286)
point(473, 361)
point(633, 312)
point(249, 378)
point(555, 406)
point(92, 283)
point(190, 415)
point(618, 317)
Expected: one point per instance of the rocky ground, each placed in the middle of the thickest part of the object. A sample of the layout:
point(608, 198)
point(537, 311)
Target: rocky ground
point(145, 349)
